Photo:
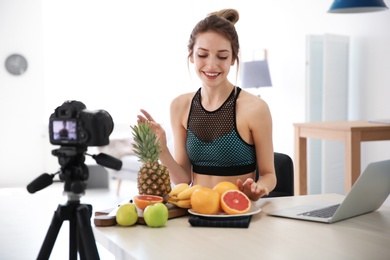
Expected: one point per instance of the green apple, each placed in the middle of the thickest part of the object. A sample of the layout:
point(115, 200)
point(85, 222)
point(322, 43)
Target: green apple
point(156, 215)
point(127, 215)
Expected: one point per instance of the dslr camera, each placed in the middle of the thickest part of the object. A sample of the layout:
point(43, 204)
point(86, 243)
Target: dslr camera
point(72, 124)
point(74, 128)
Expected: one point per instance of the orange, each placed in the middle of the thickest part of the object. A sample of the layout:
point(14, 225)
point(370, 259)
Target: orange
point(142, 201)
point(205, 201)
point(235, 202)
point(224, 186)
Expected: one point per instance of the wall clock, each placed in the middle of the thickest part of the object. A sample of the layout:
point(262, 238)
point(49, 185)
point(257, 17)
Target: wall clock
point(16, 64)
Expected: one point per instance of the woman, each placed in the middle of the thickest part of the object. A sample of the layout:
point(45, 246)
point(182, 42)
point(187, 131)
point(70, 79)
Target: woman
point(221, 132)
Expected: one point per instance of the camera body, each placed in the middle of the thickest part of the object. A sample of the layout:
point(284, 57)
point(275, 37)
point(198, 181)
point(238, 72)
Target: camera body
point(72, 124)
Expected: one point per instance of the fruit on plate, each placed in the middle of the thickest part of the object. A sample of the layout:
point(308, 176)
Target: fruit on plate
point(187, 193)
point(185, 204)
point(205, 201)
point(178, 188)
point(181, 195)
point(235, 202)
point(142, 201)
point(156, 215)
point(126, 215)
point(153, 177)
point(223, 186)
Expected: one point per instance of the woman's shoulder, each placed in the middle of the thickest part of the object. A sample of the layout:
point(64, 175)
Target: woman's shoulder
point(180, 107)
point(182, 100)
point(249, 100)
point(250, 106)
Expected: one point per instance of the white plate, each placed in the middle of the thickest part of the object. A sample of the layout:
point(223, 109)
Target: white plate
point(254, 210)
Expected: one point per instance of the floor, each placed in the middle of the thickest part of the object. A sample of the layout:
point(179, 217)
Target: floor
point(26, 217)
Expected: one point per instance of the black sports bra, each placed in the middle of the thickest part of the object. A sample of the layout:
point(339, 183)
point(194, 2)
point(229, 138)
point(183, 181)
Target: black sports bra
point(213, 144)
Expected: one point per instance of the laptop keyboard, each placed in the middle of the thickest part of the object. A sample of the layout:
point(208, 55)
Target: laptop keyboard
point(321, 213)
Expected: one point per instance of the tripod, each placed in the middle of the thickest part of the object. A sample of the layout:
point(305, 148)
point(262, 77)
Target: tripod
point(80, 232)
point(74, 172)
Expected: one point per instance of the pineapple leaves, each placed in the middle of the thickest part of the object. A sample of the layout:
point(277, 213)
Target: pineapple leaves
point(146, 145)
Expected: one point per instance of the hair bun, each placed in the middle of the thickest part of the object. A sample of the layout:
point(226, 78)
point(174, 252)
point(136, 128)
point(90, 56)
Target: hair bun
point(229, 14)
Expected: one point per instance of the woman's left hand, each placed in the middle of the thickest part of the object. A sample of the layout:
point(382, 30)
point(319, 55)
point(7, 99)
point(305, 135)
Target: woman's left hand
point(252, 189)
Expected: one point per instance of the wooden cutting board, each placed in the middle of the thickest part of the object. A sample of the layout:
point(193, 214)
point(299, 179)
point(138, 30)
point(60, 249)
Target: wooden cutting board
point(102, 219)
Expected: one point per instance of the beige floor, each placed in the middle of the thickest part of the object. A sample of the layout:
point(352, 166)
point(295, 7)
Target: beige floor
point(26, 217)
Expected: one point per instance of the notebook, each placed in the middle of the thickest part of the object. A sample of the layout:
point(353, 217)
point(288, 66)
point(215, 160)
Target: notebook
point(368, 193)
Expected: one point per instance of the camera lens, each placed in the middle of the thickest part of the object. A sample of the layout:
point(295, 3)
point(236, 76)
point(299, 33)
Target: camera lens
point(107, 121)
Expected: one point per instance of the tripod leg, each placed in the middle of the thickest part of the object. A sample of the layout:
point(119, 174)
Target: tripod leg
point(51, 235)
point(88, 244)
point(73, 238)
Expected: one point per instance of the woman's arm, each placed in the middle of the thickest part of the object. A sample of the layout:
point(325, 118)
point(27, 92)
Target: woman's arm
point(259, 121)
point(181, 169)
point(179, 166)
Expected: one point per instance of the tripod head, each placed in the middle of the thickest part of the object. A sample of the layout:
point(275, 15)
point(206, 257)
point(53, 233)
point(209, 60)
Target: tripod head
point(73, 172)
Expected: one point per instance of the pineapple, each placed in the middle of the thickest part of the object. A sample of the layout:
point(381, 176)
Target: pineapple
point(153, 177)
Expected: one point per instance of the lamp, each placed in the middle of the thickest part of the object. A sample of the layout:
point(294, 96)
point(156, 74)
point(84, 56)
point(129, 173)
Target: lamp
point(255, 74)
point(357, 6)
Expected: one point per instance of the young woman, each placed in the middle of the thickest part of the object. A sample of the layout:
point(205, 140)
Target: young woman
point(221, 132)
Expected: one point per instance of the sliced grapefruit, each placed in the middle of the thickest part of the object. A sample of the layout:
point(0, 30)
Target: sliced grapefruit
point(234, 202)
point(142, 201)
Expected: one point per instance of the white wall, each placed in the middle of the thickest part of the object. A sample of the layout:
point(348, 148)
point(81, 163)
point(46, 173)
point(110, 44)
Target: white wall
point(22, 100)
point(125, 55)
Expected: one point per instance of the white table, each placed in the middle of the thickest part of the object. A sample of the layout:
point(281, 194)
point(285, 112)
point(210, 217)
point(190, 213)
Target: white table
point(362, 237)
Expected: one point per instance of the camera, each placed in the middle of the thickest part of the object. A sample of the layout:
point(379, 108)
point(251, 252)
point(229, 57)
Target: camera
point(75, 128)
point(72, 124)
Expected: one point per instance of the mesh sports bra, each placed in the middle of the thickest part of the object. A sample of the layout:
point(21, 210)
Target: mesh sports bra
point(213, 144)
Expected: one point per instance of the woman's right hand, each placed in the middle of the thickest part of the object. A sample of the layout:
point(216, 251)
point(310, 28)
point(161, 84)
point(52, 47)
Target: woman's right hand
point(157, 128)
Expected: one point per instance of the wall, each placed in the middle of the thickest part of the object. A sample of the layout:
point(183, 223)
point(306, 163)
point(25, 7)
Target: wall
point(21, 97)
point(124, 55)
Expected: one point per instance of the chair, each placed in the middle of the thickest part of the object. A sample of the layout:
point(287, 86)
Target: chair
point(284, 170)
point(98, 177)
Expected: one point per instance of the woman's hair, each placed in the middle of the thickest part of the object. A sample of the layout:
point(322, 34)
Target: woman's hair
point(221, 22)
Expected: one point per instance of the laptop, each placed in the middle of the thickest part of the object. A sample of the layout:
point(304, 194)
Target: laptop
point(368, 193)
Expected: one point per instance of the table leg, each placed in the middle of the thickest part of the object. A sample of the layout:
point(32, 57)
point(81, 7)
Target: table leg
point(352, 159)
point(300, 164)
point(118, 186)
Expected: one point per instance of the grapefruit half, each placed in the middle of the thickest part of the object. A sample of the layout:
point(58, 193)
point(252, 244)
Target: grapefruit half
point(234, 202)
point(142, 201)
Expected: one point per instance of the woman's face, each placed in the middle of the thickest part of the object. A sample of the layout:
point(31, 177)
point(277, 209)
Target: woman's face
point(212, 58)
